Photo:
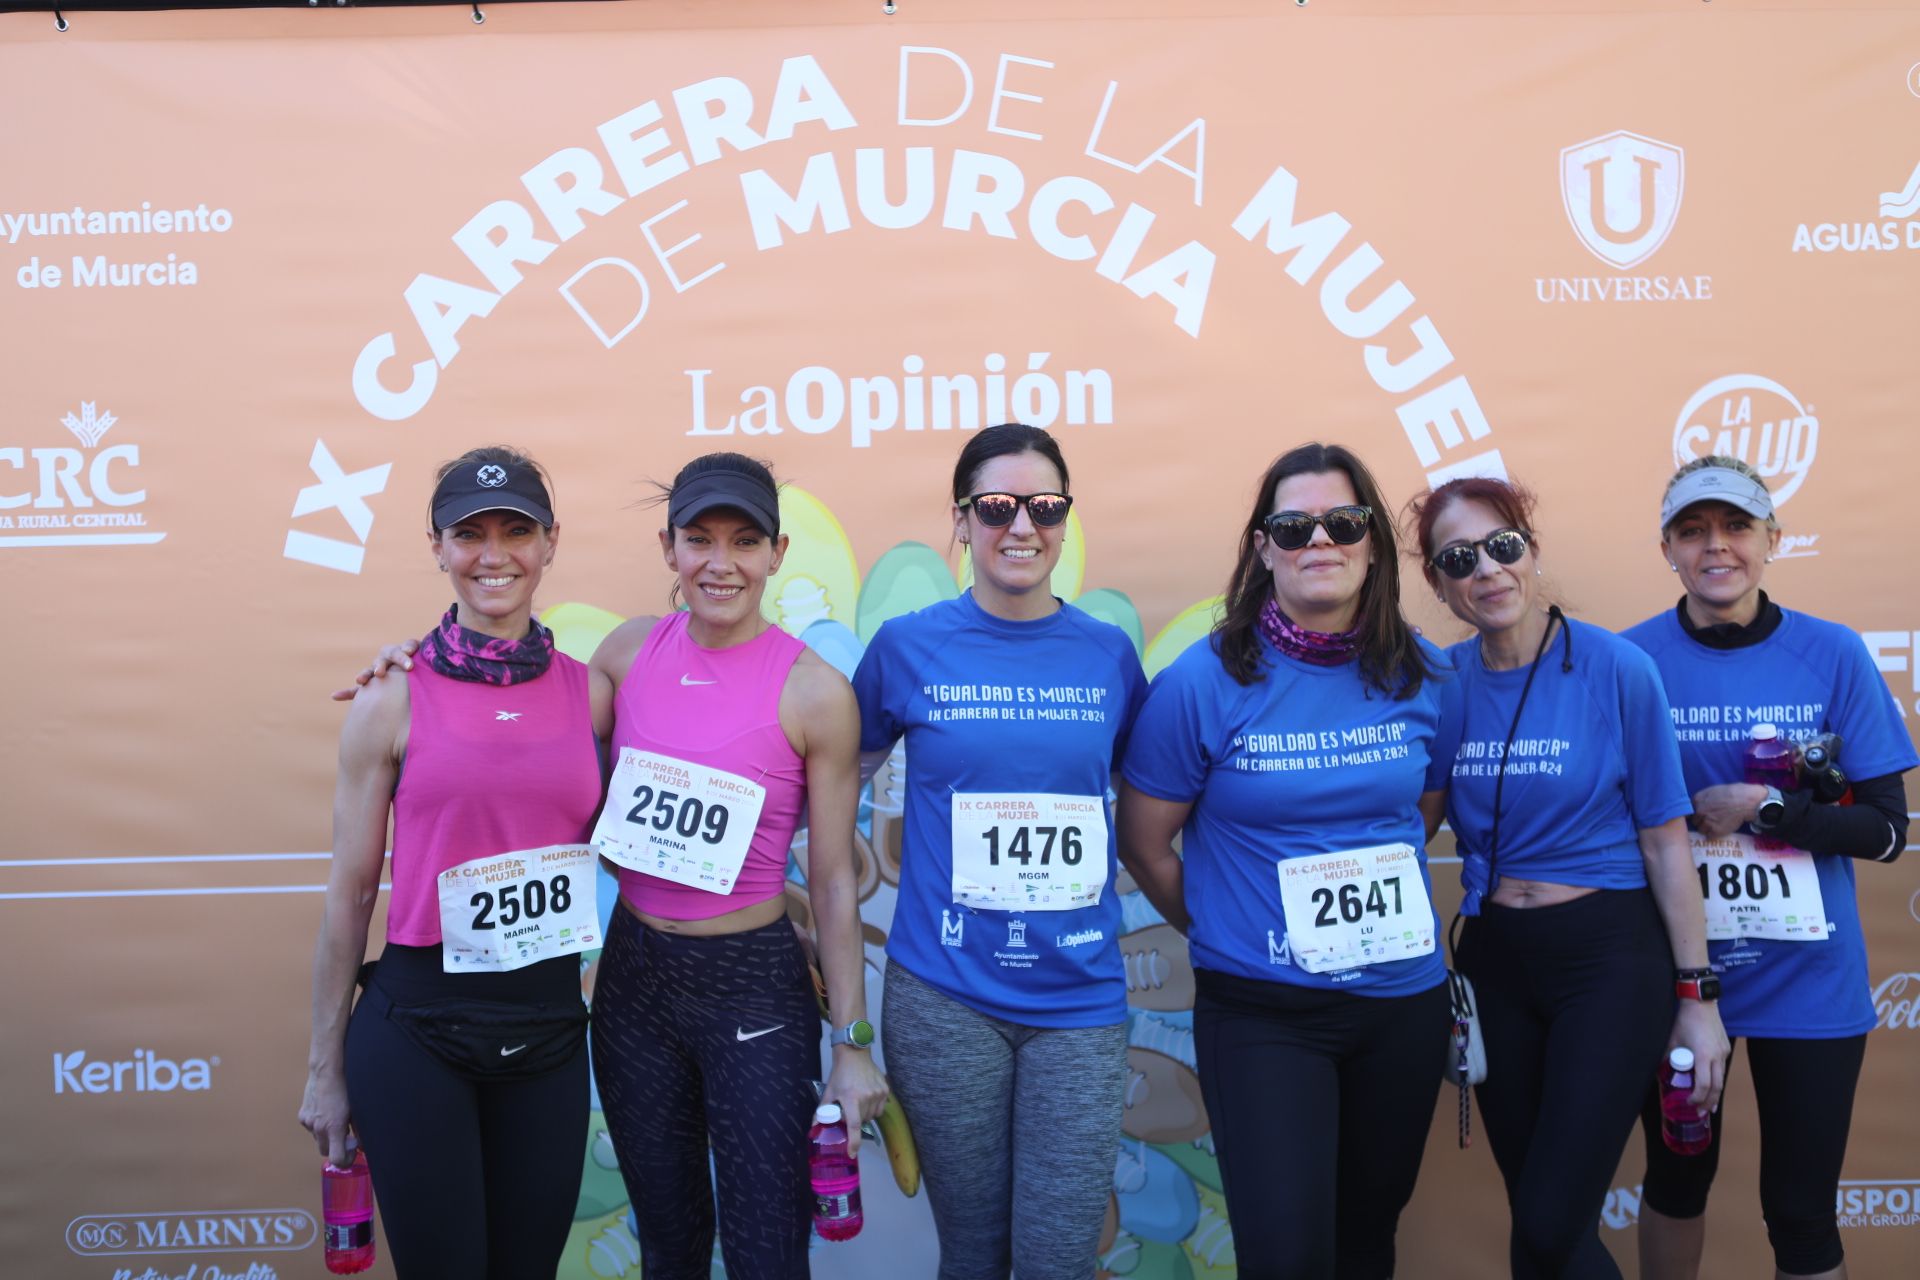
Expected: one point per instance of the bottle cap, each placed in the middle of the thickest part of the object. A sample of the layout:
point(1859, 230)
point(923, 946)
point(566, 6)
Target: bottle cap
point(827, 1113)
point(1681, 1059)
point(1763, 733)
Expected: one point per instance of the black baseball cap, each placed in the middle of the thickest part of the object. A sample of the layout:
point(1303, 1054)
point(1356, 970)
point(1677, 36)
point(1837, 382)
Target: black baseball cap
point(473, 487)
point(712, 490)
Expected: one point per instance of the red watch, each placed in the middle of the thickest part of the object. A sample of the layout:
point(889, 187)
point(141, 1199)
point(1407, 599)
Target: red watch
point(1696, 984)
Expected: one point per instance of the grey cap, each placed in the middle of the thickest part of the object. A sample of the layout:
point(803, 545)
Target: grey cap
point(1716, 484)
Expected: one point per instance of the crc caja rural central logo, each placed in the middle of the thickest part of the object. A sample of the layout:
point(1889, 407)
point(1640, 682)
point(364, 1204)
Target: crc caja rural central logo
point(61, 496)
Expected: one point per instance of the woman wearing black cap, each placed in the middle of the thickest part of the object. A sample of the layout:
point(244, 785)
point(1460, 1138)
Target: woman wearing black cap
point(460, 1070)
point(727, 731)
point(1776, 861)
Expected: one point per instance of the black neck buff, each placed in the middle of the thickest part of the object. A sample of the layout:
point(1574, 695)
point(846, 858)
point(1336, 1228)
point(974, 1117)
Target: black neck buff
point(1734, 635)
point(460, 654)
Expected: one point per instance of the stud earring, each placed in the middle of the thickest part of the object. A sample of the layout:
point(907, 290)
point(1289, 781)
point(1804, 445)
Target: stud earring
point(1537, 571)
point(1673, 568)
point(1769, 559)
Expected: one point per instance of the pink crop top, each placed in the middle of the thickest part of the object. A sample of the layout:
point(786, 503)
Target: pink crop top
point(720, 708)
point(489, 769)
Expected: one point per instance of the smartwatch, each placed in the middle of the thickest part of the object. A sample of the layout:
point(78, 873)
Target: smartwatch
point(858, 1033)
point(1696, 984)
point(1773, 807)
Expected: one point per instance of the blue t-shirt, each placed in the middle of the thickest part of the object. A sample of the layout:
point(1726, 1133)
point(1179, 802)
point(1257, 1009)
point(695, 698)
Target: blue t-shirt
point(989, 705)
point(1593, 762)
point(1809, 676)
point(1308, 760)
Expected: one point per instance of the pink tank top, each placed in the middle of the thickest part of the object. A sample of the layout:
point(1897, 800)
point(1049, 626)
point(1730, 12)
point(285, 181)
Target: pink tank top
point(720, 708)
point(489, 769)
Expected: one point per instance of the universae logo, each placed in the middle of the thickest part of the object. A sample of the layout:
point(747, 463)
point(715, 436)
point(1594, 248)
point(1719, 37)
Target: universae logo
point(75, 497)
point(1622, 194)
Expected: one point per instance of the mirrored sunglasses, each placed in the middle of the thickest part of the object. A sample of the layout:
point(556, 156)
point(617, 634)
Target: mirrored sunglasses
point(1459, 559)
point(1292, 530)
point(996, 510)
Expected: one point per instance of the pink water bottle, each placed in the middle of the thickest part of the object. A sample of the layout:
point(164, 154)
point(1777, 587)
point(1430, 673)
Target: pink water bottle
point(346, 1211)
point(1686, 1128)
point(835, 1175)
point(1771, 761)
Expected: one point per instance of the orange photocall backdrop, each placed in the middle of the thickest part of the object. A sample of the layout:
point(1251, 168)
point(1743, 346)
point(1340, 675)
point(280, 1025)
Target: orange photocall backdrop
point(261, 271)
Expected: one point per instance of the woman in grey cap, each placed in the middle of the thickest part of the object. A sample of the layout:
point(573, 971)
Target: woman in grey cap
point(1776, 860)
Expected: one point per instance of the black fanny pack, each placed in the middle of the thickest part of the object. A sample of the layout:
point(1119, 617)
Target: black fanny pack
point(495, 1039)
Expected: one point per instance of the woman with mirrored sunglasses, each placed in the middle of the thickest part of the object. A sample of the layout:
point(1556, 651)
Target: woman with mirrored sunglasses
point(1581, 904)
point(1776, 862)
point(1300, 752)
point(1005, 1027)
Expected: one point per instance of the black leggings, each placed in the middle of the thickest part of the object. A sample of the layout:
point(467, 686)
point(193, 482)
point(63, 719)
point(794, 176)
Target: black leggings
point(473, 1177)
point(1576, 1004)
point(699, 1039)
point(1804, 1092)
point(1299, 1082)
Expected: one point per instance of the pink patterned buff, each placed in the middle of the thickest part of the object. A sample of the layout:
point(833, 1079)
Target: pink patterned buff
point(1324, 649)
point(460, 654)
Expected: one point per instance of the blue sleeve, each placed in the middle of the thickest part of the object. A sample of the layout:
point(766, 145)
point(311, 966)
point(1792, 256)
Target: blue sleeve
point(1171, 747)
point(880, 685)
point(1656, 782)
point(1446, 739)
point(1874, 741)
point(1133, 691)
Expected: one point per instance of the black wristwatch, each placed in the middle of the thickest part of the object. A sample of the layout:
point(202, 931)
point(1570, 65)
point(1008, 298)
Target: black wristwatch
point(1696, 984)
point(1773, 807)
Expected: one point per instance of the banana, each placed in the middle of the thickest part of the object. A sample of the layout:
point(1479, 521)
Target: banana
point(901, 1153)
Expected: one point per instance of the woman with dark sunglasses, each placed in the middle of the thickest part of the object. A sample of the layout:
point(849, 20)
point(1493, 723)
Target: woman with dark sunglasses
point(1791, 961)
point(1582, 911)
point(1301, 752)
point(1005, 999)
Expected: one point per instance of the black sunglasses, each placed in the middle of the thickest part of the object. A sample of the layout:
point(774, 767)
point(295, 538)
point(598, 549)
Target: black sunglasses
point(997, 510)
point(1458, 560)
point(1292, 530)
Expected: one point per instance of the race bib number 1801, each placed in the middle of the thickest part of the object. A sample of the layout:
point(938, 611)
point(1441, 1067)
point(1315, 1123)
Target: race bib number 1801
point(1359, 907)
point(1755, 892)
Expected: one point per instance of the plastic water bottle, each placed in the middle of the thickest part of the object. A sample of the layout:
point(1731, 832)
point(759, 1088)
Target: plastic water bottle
point(1686, 1128)
point(1771, 760)
point(835, 1175)
point(346, 1211)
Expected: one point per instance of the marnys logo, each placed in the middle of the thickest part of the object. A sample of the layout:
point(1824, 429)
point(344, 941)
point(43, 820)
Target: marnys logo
point(1758, 421)
point(194, 1231)
point(145, 1072)
point(1893, 1008)
point(67, 489)
point(1622, 194)
point(1898, 228)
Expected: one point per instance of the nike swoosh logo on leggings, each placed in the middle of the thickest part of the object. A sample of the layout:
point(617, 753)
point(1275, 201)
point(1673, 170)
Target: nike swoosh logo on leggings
point(508, 1053)
point(741, 1033)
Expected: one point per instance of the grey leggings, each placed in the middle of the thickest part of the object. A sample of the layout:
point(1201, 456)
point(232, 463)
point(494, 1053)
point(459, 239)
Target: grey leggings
point(1007, 1115)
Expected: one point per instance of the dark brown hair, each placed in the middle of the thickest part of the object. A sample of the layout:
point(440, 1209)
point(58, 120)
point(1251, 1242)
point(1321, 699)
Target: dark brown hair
point(1390, 658)
point(997, 442)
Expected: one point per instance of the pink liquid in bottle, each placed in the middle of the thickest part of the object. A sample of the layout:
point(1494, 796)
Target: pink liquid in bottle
point(346, 1211)
point(1771, 761)
point(1686, 1129)
point(835, 1176)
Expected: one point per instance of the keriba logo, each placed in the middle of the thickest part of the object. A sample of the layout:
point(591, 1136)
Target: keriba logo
point(1622, 192)
point(145, 1072)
